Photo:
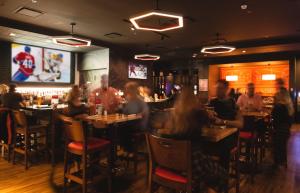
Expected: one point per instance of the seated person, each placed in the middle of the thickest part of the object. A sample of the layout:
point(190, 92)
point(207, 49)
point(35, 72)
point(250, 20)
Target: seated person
point(106, 96)
point(135, 105)
point(12, 99)
point(227, 112)
point(250, 101)
point(76, 108)
point(186, 123)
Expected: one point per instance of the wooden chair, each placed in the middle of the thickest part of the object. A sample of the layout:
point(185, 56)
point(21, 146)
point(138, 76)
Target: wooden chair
point(249, 139)
point(23, 128)
point(170, 163)
point(77, 143)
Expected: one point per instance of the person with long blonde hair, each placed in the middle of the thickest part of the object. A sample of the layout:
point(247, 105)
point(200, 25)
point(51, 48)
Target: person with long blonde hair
point(186, 123)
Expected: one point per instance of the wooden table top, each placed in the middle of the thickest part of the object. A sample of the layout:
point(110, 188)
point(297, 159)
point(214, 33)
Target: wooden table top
point(103, 121)
point(256, 114)
point(217, 134)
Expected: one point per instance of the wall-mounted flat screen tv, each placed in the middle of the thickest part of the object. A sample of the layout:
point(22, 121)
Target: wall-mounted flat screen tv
point(137, 71)
point(36, 64)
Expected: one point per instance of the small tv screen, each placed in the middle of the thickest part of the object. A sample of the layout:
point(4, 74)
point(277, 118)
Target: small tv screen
point(36, 64)
point(137, 71)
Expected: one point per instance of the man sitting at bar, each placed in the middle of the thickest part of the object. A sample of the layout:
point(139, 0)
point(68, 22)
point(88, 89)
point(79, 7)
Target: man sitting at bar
point(250, 101)
point(12, 99)
point(227, 112)
point(106, 96)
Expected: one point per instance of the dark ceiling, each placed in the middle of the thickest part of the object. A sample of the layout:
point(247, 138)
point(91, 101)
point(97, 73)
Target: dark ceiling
point(262, 20)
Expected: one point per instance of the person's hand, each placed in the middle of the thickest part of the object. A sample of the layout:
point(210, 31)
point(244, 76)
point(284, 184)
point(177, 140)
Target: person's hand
point(219, 121)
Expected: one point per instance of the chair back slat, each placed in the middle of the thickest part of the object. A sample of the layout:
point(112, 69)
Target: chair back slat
point(73, 128)
point(20, 119)
point(169, 153)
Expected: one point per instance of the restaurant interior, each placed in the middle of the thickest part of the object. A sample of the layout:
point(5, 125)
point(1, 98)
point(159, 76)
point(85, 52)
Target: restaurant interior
point(149, 96)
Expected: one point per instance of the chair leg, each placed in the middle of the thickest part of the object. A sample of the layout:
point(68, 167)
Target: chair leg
point(84, 176)
point(65, 170)
point(237, 165)
point(27, 140)
point(13, 155)
point(109, 168)
point(8, 152)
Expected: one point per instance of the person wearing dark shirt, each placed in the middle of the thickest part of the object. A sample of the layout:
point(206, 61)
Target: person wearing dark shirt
point(75, 107)
point(282, 114)
point(227, 112)
point(186, 123)
point(12, 99)
point(134, 105)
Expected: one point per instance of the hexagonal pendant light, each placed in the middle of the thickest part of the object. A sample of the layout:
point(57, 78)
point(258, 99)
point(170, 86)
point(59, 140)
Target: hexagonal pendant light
point(146, 57)
point(71, 40)
point(157, 20)
point(173, 21)
point(218, 47)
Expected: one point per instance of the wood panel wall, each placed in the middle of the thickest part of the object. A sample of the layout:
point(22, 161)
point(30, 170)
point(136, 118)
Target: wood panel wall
point(253, 73)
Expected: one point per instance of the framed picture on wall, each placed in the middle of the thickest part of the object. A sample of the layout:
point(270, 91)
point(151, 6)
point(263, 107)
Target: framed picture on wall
point(203, 85)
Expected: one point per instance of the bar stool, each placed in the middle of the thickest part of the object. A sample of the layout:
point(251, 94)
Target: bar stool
point(6, 131)
point(248, 138)
point(78, 144)
point(28, 131)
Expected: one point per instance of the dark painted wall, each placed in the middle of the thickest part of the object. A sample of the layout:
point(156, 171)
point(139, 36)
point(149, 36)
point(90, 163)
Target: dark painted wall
point(118, 70)
point(5, 62)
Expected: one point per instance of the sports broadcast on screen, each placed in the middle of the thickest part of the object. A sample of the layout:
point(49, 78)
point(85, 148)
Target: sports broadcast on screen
point(137, 71)
point(36, 64)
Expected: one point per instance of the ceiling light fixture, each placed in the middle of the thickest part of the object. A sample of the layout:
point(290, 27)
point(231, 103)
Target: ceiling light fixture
point(164, 21)
point(146, 57)
point(218, 47)
point(244, 51)
point(12, 34)
point(71, 40)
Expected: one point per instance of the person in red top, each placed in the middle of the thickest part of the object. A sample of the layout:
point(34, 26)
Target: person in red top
point(27, 65)
point(105, 95)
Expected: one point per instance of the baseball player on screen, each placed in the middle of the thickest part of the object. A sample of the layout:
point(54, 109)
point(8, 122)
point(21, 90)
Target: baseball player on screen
point(26, 64)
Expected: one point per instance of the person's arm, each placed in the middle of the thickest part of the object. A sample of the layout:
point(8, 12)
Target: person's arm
point(238, 122)
point(239, 103)
point(259, 103)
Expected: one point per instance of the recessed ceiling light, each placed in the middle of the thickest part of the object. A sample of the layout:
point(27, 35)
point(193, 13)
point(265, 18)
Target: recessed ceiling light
point(194, 55)
point(12, 34)
point(132, 28)
point(244, 6)
point(34, 1)
point(244, 51)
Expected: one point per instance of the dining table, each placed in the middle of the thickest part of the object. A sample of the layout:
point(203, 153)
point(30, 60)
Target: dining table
point(112, 123)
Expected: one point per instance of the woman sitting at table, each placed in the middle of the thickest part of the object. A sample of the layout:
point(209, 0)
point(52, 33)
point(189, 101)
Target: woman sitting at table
point(186, 123)
point(76, 108)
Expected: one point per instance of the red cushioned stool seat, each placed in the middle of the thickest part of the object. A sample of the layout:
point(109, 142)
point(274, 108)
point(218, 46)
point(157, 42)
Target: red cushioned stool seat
point(169, 175)
point(246, 135)
point(93, 143)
